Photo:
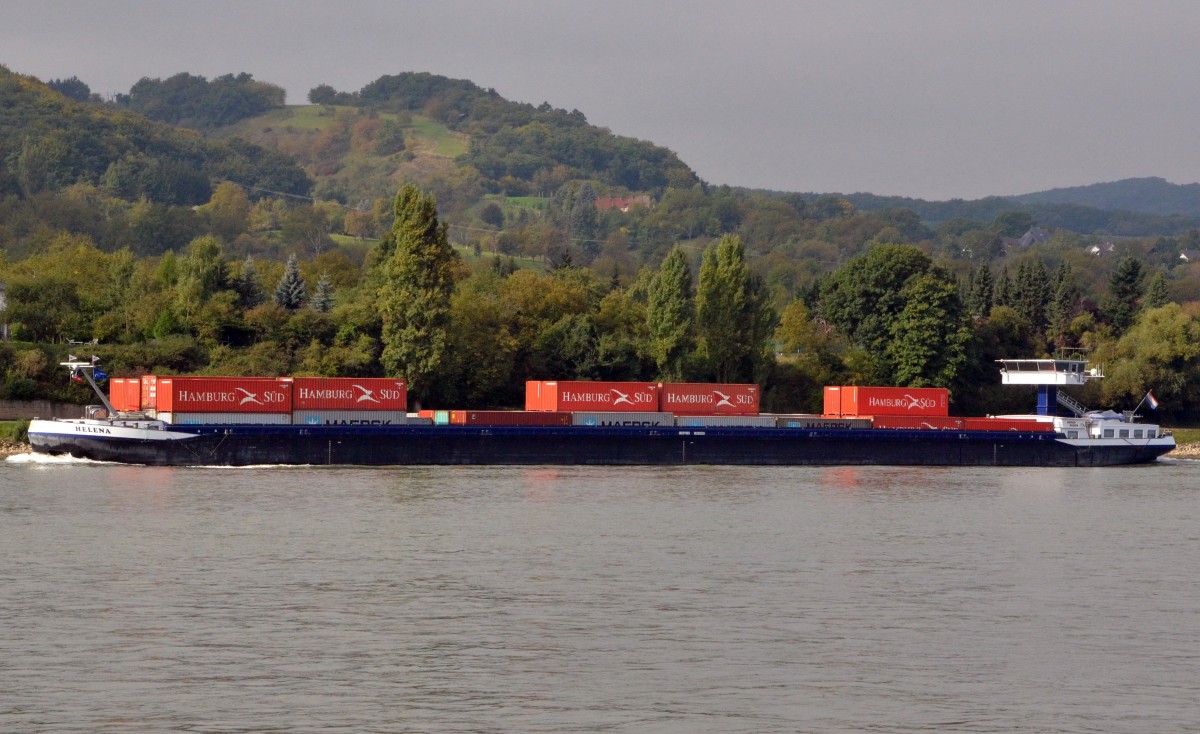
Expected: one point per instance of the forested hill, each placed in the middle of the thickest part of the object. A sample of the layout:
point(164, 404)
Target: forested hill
point(1146, 195)
point(1118, 219)
point(513, 146)
point(50, 142)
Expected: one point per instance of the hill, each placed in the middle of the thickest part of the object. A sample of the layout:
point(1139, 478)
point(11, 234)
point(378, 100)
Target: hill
point(1151, 195)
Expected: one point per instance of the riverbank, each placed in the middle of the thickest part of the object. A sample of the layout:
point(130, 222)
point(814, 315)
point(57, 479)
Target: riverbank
point(8, 448)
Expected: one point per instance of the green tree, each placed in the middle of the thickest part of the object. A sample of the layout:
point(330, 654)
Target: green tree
point(1004, 288)
point(414, 298)
point(1031, 292)
point(983, 287)
point(732, 318)
point(1125, 286)
point(929, 336)
point(290, 290)
point(201, 274)
point(248, 286)
point(1064, 303)
point(1157, 295)
point(670, 315)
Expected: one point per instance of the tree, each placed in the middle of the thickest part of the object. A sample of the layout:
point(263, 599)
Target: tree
point(1156, 293)
point(248, 286)
point(732, 319)
point(1064, 303)
point(322, 299)
point(1031, 292)
point(201, 274)
point(983, 285)
point(929, 336)
point(900, 310)
point(492, 214)
point(414, 297)
point(1125, 285)
point(670, 315)
point(1004, 286)
point(290, 291)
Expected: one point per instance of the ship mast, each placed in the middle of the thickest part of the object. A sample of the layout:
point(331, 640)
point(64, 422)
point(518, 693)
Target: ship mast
point(83, 369)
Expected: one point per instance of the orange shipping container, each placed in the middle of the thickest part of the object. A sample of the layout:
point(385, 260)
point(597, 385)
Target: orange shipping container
point(925, 401)
point(695, 398)
point(149, 392)
point(180, 394)
point(557, 395)
point(833, 400)
point(125, 393)
point(349, 393)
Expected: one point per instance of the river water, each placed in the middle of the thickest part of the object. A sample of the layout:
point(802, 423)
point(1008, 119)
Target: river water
point(714, 599)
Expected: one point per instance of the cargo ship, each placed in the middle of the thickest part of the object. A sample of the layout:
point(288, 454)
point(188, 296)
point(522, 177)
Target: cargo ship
point(203, 421)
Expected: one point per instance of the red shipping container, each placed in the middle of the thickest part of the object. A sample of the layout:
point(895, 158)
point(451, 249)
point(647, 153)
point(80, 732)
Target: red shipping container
point(509, 418)
point(149, 392)
point(696, 398)
point(349, 393)
point(180, 394)
point(125, 393)
point(833, 400)
point(557, 395)
point(862, 400)
point(925, 422)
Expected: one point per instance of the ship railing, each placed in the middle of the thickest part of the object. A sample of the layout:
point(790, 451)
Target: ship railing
point(1071, 404)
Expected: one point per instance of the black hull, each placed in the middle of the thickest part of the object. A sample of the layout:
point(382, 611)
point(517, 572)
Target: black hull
point(493, 445)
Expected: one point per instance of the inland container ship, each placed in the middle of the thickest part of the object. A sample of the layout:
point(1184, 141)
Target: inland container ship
point(240, 421)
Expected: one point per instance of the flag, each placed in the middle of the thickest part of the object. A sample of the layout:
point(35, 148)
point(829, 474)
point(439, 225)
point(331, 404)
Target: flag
point(96, 373)
point(1152, 400)
point(76, 377)
point(72, 358)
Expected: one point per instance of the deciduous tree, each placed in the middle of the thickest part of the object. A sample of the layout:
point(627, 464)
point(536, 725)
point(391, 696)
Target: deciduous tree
point(414, 298)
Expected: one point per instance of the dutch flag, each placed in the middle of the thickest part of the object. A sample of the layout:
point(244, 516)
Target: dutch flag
point(1153, 401)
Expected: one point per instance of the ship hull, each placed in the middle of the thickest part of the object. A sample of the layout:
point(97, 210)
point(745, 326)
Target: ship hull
point(505, 445)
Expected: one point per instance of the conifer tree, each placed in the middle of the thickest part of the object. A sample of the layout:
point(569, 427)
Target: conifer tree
point(1064, 302)
point(248, 286)
point(290, 291)
point(1124, 290)
point(1156, 293)
point(983, 286)
point(414, 297)
point(322, 299)
point(1003, 292)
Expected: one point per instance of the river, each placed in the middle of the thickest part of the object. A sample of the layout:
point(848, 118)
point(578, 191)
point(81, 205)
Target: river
point(711, 599)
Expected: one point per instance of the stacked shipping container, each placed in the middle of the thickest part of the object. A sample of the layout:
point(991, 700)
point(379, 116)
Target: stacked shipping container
point(367, 401)
point(199, 400)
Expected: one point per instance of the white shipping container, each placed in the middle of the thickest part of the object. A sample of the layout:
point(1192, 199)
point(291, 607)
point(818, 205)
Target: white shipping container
point(726, 421)
point(201, 419)
point(622, 419)
point(349, 417)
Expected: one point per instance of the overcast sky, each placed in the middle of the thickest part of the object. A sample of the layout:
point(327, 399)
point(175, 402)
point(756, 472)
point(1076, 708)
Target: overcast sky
point(935, 99)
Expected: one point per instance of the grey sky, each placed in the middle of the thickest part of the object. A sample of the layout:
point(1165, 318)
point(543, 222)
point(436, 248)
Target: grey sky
point(929, 98)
